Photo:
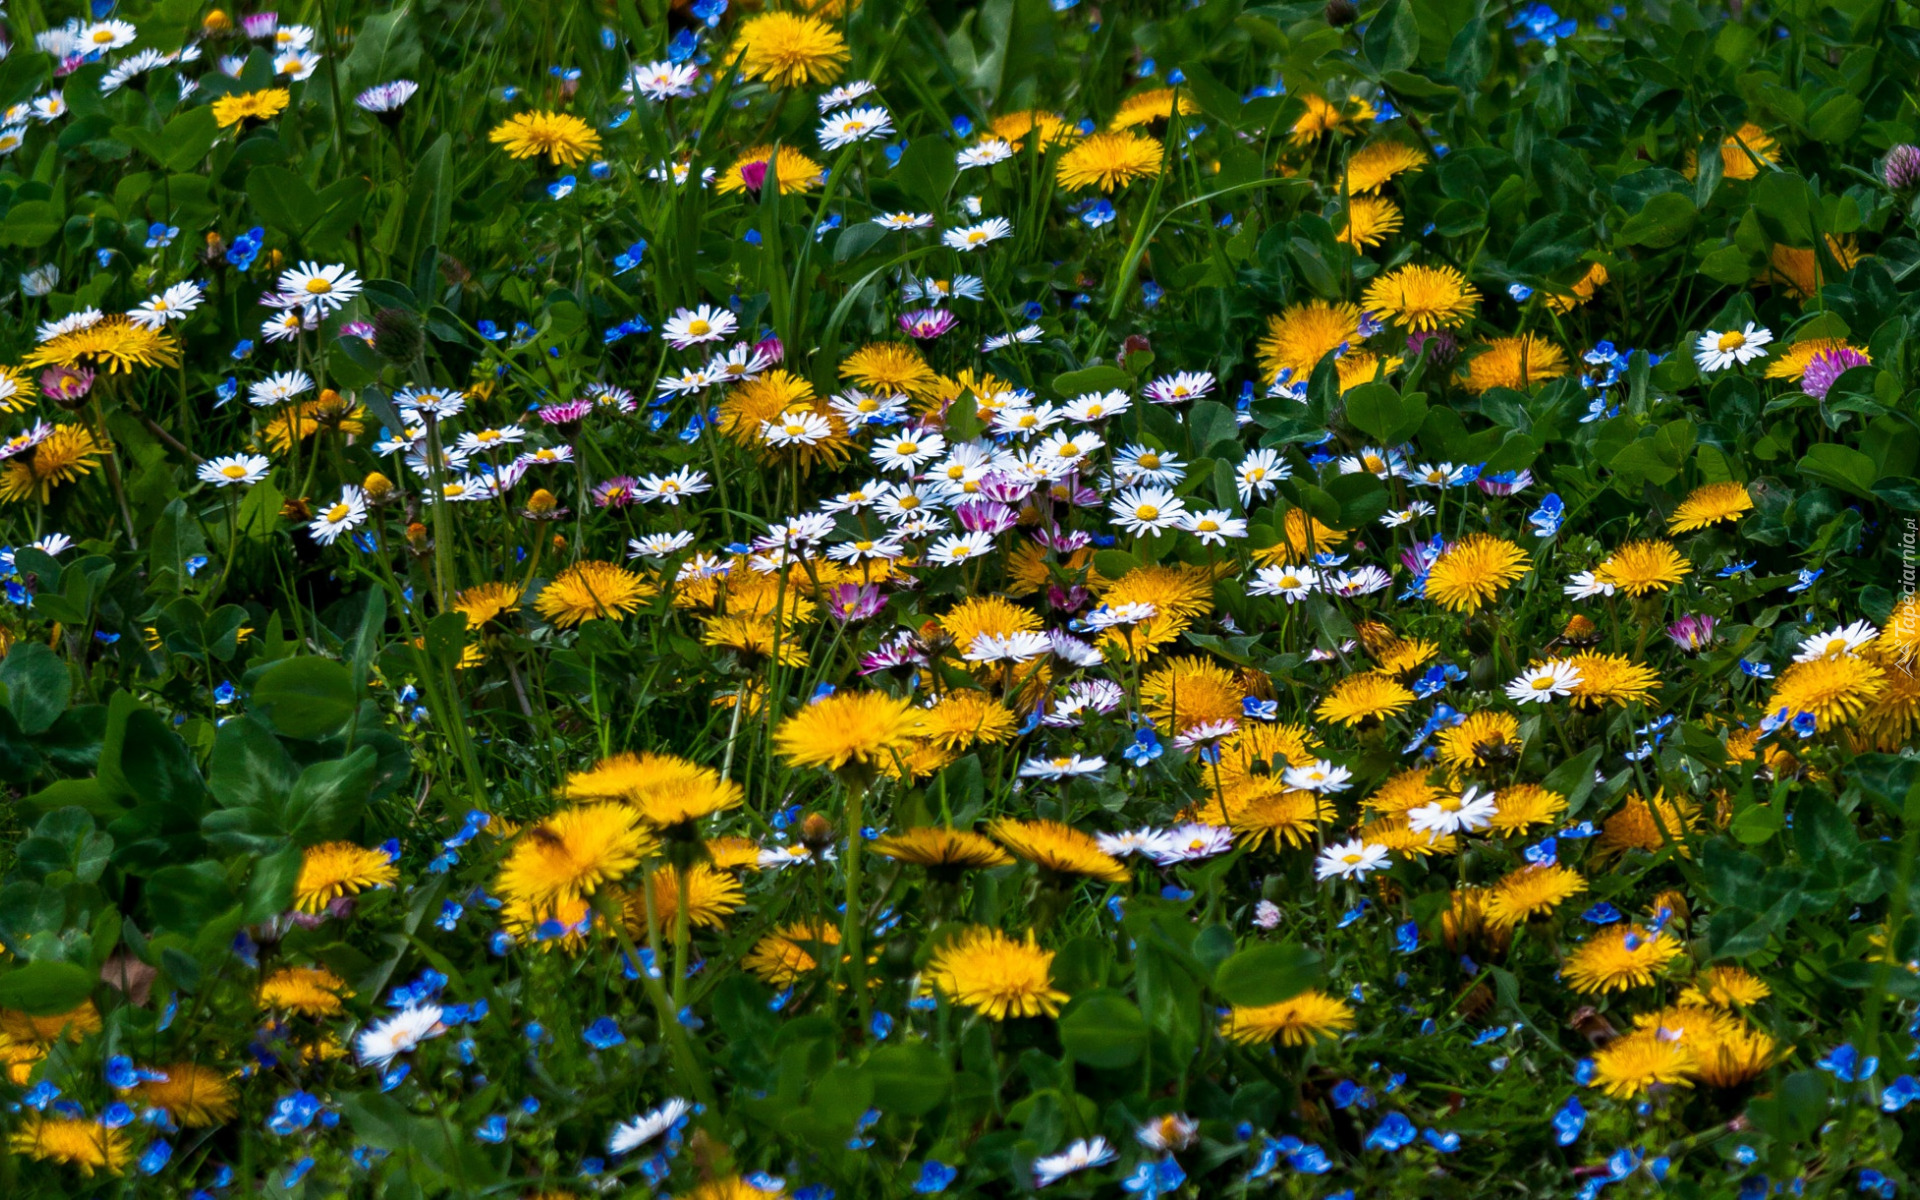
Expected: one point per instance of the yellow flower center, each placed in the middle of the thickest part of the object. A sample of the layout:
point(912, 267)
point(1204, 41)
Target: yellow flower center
point(1289, 581)
point(698, 328)
point(1733, 339)
point(1069, 450)
point(1256, 474)
point(1207, 525)
point(1147, 512)
point(318, 286)
point(907, 448)
point(1150, 461)
point(908, 501)
point(102, 36)
point(234, 471)
point(1543, 683)
point(338, 512)
point(1351, 858)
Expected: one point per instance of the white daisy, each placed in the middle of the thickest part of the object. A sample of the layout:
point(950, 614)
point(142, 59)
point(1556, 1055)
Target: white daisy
point(984, 154)
point(1214, 526)
point(907, 451)
point(349, 512)
point(629, 1136)
point(378, 1045)
point(855, 125)
point(958, 548)
point(1585, 585)
point(231, 469)
point(1259, 473)
point(1837, 642)
point(279, 388)
point(1352, 859)
point(1469, 812)
point(972, 237)
point(904, 220)
point(1292, 583)
point(171, 305)
point(1061, 768)
point(1319, 776)
point(320, 289)
point(687, 327)
point(1716, 351)
point(1539, 685)
point(659, 81)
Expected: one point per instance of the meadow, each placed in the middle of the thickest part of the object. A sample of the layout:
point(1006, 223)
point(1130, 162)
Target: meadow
point(837, 599)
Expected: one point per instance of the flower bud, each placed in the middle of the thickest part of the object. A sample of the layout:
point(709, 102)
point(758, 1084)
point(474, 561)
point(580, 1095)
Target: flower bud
point(1901, 170)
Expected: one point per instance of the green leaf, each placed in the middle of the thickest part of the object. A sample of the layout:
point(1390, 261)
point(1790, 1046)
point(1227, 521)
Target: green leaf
point(386, 48)
point(1392, 39)
point(1267, 974)
point(926, 172)
point(1666, 221)
point(1574, 778)
point(143, 758)
point(307, 697)
point(1104, 1029)
point(38, 685)
point(1841, 466)
point(42, 989)
point(186, 898)
point(330, 797)
point(1795, 1110)
point(1376, 410)
point(32, 223)
point(1090, 379)
point(910, 1079)
point(249, 768)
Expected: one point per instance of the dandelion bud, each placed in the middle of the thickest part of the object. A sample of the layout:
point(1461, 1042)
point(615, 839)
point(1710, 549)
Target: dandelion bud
point(816, 832)
point(417, 535)
point(542, 502)
point(396, 335)
point(377, 487)
point(296, 508)
point(1901, 170)
point(216, 23)
point(1341, 13)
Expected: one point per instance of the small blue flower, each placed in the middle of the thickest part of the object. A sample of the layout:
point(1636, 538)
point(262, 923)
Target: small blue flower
point(1807, 579)
point(562, 188)
point(160, 236)
point(1145, 747)
point(1900, 1093)
point(1393, 1134)
point(1100, 212)
point(1844, 1063)
point(1519, 291)
point(1445, 1143)
point(1150, 293)
point(934, 1177)
point(493, 1130)
point(1407, 937)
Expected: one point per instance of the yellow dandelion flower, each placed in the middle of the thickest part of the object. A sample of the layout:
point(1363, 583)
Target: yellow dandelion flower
point(1631, 1065)
point(989, 615)
point(846, 729)
point(888, 368)
point(1366, 221)
point(1192, 691)
point(1155, 104)
point(589, 591)
point(712, 897)
point(1404, 792)
point(1260, 749)
point(945, 853)
point(1300, 536)
point(263, 105)
point(1583, 290)
point(1110, 160)
point(1642, 825)
point(70, 452)
point(1397, 834)
point(1306, 1018)
point(308, 991)
point(734, 1187)
point(1013, 128)
point(78, 1142)
point(1530, 892)
point(1792, 363)
point(564, 138)
point(486, 602)
point(1743, 153)
point(1421, 297)
point(1521, 807)
point(1263, 808)
point(1620, 957)
point(1473, 571)
point(335, 869)
point(113, 344)
point(1301, 335)
point(569, 855)
point(1736, 1056)
point(1059, 849)
point(1644, 566)
point(783, 956)
point(996, 976)
point(1515, 362)
point(1482, 738)
point(754, 638)
point(1611, 679)
point(1800, 270)
point(195, 1096)
point(17, 390)
point(966, 718)
point(1710, 504)
point(785, 50)
point(1321, 117)
point(1379, 162)
point(791, 171)
point(1726, 987)
point(1834, 690)
point(72, 1025)
point(1368, 697)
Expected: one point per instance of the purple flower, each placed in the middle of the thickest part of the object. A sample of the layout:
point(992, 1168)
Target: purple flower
point(1439, 345)
point(1827, 367)
point(985, 516)
point(926, 323)
point(618, 492)
point(855, 602)
point(571, 413)
point(1693, 632)
point(1902, 167)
